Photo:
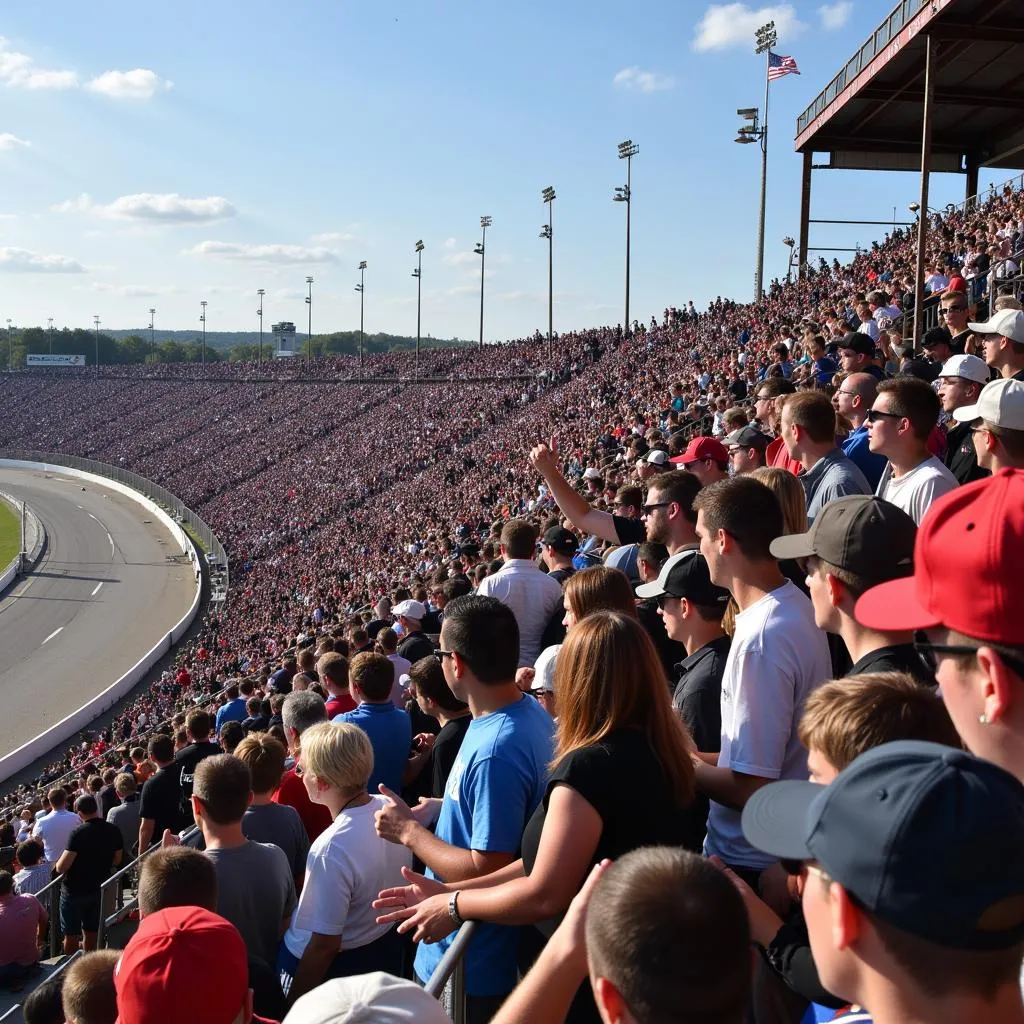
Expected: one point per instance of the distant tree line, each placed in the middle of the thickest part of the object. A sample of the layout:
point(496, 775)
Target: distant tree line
point(122, 347)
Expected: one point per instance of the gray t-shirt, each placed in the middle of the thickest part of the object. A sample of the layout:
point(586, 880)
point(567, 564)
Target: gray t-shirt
point(255, 892)
point(281, 825)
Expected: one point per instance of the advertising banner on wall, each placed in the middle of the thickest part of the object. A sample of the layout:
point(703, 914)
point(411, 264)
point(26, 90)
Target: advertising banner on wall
point(58, 360)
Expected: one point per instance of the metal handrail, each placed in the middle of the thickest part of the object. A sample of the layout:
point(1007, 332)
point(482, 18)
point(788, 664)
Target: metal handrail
point(452, 967)
point(52, 893)
point(106, 921)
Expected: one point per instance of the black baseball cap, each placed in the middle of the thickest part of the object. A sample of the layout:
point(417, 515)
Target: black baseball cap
point(925, 837)
point(861, 343)
point(748, 437)
point(686, 575)
point(562, 540)
point(860, 533)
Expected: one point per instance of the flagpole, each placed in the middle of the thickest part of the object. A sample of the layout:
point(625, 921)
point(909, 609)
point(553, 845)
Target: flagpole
point(766, 39)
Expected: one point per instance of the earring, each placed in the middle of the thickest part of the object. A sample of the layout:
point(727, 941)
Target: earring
point(983, 718)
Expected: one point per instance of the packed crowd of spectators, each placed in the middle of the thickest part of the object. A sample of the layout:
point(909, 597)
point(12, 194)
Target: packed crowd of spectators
point(757, 524)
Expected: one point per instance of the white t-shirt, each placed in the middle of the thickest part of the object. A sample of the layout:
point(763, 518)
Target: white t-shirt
point(402, 666)
point(915, 491)
point(347, 866)
point(777, 657)
point(54, 829)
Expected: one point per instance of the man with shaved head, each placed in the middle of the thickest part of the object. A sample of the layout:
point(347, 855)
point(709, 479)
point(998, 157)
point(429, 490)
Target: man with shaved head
point(852, 400)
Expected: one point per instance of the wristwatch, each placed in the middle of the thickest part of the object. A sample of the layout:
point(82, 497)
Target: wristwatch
point(453, 908)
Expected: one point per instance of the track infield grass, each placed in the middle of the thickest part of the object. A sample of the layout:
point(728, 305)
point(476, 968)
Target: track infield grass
point(10, 534)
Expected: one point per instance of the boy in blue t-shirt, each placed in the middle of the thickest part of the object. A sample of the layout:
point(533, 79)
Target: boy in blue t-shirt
point(370, 679)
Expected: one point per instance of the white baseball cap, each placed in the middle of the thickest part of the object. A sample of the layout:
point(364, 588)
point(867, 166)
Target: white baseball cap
point(968, 367)
point(1007, 322)
point(410, 610)
point(544, 668)
point(590, 473)
point(376, 998)
point(1000, 403)
point(656, 457)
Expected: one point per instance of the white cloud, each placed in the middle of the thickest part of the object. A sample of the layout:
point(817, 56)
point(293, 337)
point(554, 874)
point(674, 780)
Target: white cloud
point(138, 84)
point(134, 291)
point(459, 259)
point(284, 254)
point(169, 208)
point(835, 16)
point(25, 261)
point(9, 141)
point(644, 81)
point(449, 243)
point(333, 237)
point(18, 70)
point(733, 25)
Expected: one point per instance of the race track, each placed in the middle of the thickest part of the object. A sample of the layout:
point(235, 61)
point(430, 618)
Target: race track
point(111, 583)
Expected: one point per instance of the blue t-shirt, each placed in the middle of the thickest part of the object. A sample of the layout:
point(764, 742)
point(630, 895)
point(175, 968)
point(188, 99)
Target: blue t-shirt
point(870, 463)
point(494, 787)
point(390, 733)
point(233, 711)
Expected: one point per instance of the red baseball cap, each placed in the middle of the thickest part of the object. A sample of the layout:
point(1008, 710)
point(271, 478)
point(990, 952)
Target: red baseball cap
point(183, 963)
point(701, 448)
point(967, 567)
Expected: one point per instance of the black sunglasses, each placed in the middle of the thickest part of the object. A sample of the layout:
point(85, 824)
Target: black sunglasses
point(952, 309)
point(441, 655)
point(928, 652)
point(874, 415)
point(656, 504)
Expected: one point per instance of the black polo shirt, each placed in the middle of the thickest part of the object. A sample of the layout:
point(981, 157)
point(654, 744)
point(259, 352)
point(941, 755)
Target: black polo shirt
point(698, 693)
point(961, 458)
point(895, 658)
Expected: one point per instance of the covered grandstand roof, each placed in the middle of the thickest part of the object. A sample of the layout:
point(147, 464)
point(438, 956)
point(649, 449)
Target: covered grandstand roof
point(869, 115)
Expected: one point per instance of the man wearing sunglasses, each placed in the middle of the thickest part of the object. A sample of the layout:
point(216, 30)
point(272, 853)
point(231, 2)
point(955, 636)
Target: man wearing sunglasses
point(900, 421)
point(964, 603)
point(953, 315)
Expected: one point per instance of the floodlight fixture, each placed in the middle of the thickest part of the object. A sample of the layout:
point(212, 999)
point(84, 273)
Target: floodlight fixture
point(548, 194)
point(628, 149)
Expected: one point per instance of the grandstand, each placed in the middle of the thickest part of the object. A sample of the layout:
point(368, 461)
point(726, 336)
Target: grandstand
point(332, 484)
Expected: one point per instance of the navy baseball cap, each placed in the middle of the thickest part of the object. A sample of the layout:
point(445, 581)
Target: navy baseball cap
point(924, 837)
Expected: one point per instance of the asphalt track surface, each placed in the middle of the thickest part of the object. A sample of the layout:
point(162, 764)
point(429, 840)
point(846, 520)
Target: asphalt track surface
point(111, 584)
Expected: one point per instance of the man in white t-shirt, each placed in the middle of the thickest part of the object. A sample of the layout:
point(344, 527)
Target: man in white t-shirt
point(55, 828)
point(777, 657)
point(900, 420)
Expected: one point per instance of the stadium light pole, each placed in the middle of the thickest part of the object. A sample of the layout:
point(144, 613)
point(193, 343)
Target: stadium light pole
point(791, 242)
point(259, 312)
point(547, 231)
point(152, 333)
point(481, 250)
point(96, 321)
point(49, 321)
point(10, 346)
point(624, 194)
point(309, 322)
point(202, 320)
point(418, 274)
point(765, 37)
point(361, 288)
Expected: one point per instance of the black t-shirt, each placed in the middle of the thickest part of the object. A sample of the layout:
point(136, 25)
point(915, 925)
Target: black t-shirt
point(94, 844)
point(161, 802)
point(629, 531)
point(698, 693)
point(446, 749)
point(895, 658)
point(623, 781)
point(561, 575)
point(185, 762)
point(415, 646)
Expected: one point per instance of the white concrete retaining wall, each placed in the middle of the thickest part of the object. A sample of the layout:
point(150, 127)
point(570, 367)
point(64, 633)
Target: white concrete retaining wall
point(13, 762)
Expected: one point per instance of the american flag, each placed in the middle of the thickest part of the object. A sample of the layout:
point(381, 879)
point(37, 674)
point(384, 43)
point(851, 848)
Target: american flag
point(779, 66)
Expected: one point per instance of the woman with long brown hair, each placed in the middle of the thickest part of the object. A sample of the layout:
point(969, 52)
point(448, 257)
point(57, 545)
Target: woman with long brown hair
point(621, 778)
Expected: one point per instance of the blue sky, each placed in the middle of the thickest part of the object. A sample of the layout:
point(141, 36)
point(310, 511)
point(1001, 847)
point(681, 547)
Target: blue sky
point(162, 154)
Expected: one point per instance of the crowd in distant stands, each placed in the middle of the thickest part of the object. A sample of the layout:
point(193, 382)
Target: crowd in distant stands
point(555, 648)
